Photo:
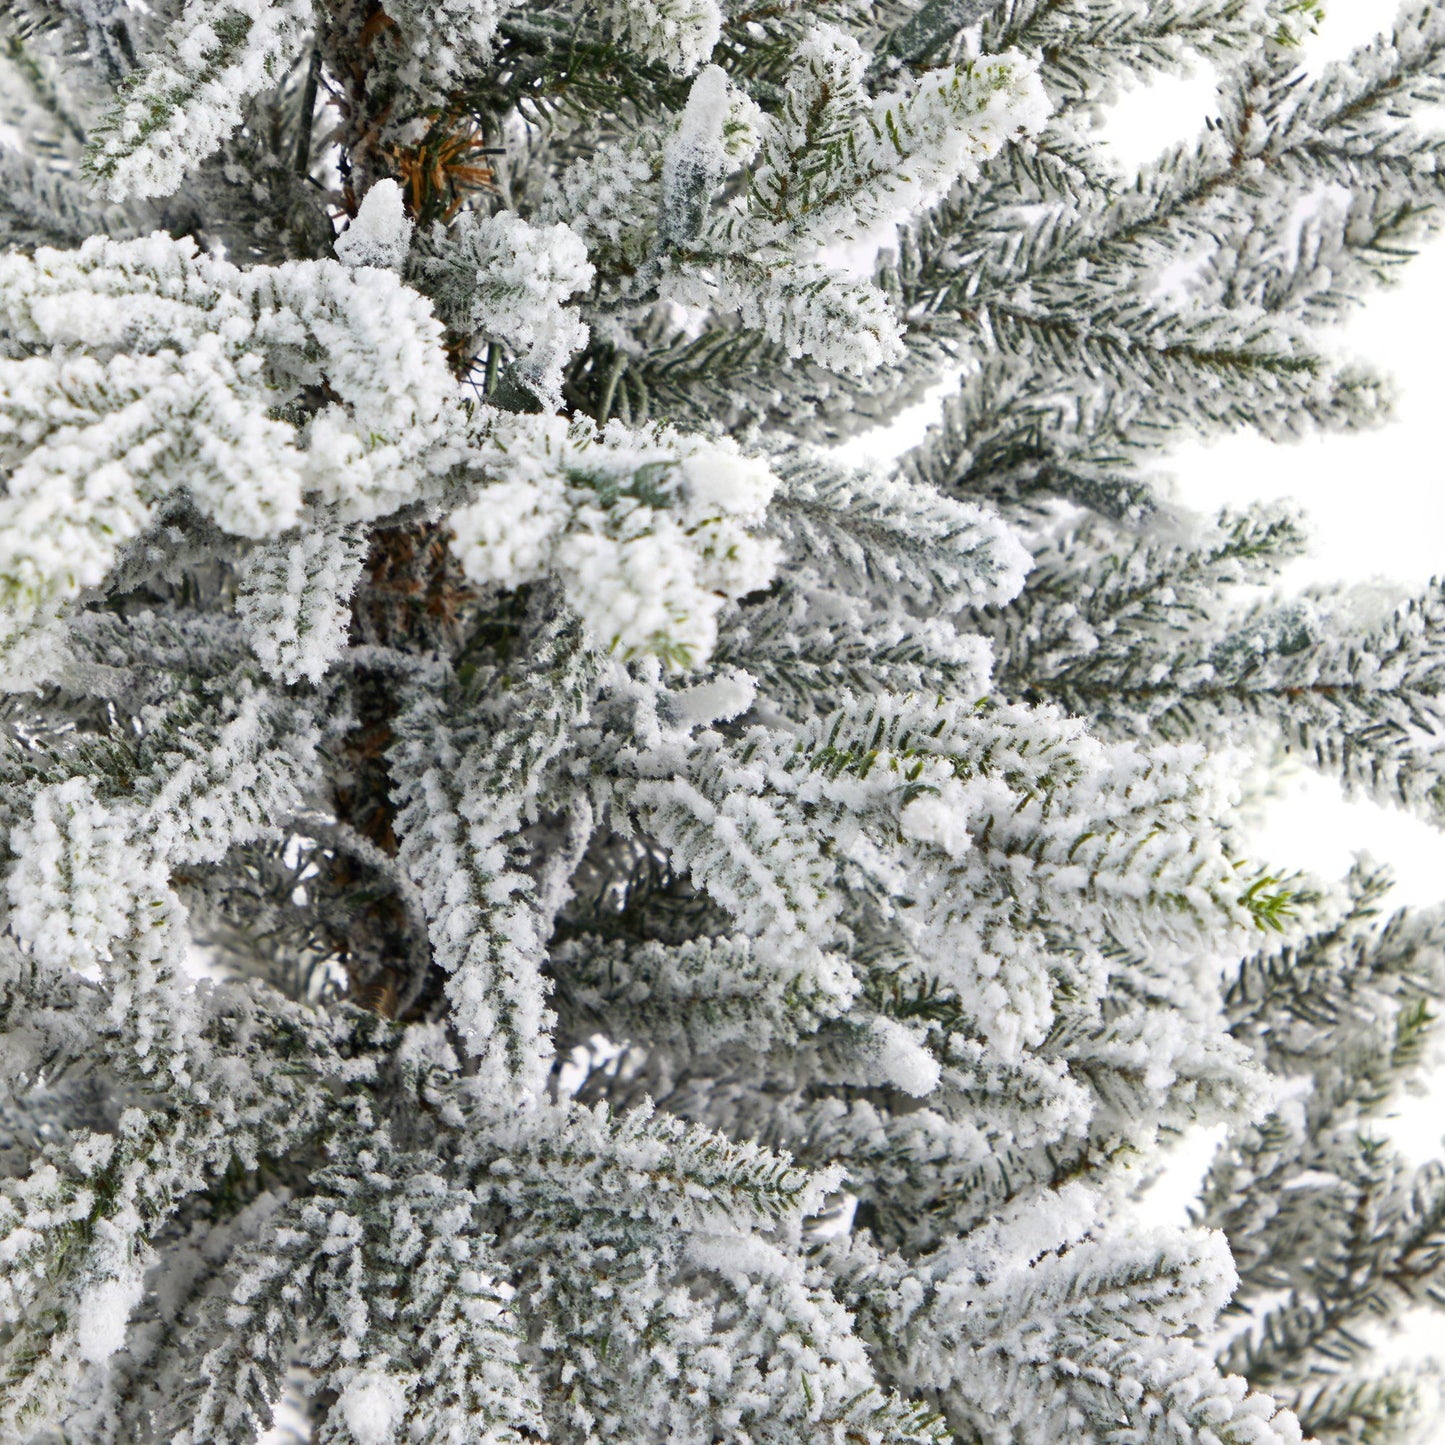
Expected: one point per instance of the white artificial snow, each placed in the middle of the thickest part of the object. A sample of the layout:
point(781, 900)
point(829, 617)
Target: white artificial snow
point(439, 44)
point(811, 310)
point(700, 140)
point(380, 232)
point(507, 538)
point(458, 808)
point(76, 878)
point(899, 1058)
point(104, 1313)
point(504, 280)
point(373, 1404)
point(236, 786)
point(827, 165)
point(696, 156)
point(679, 34)
point(153, 370)
point(202, 84)
point(954, 121)
point(920, 548)
point(727, 694)
point(939, 818)
point(293, 598)
point(651, 531)
point(970, 816)
point(92, 1151)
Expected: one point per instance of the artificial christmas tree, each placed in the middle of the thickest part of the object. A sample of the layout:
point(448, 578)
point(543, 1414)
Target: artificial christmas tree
point(540, 904)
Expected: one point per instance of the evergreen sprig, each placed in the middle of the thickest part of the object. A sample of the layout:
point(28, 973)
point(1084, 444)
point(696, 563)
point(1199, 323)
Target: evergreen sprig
point(541, 901)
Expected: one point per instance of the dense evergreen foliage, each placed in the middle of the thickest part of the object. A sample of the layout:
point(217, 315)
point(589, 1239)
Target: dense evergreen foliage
point(542, 903)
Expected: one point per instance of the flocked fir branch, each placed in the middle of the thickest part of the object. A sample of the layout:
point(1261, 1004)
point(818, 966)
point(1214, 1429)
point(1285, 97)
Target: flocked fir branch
point(541, 901)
